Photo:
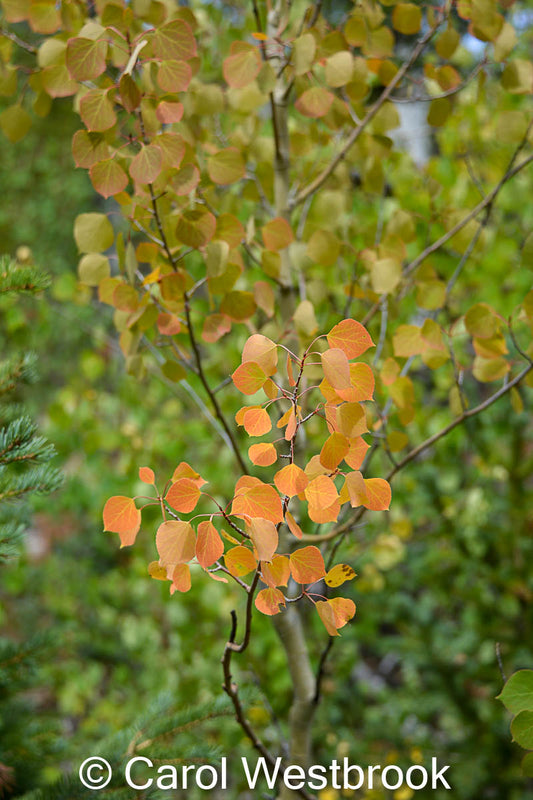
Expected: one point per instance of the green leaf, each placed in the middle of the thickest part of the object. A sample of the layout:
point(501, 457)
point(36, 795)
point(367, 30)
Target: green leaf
point(96, 110)
point(339, 68)
point(522, 729)
point(174, 41)
point(86, 58)
point(108, 177)
point(93, 233)
point(303, 53)
point(196, 228)
point(227, 166)
point(88, 148)
point(15, 122)
point(242, 67)
point(517, 76)
point(129, 93)
point(517, 694)
point(314, 102)
point(93, 268)
point(147, 164)
point(407, 18)
point(174, 76)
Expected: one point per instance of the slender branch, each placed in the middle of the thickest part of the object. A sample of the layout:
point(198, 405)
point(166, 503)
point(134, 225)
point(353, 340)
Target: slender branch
point(312, 187)
point(321, 669)
point(448, 93)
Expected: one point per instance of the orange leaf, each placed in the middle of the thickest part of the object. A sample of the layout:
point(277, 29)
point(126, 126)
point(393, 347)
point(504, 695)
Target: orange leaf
point(256, 421)
point(321, 492)
point(123, 517)
point(314, 102)
point(362, 383)
point(147, 164)
point(262, 351)
point(277, 234)
point(336, 368)
point(356, 454)
point(351, 337)
point(355, 484)
point(249, 377)
point(351, 420)
point(262, 455)
point(268, 601)
point(333, 451)
point(240, 561)
point(209, 545)
point(215, 327)
point(290, 374)
point(264, 536)
point(327, 615)
point(339, 574)
point(307, 565)
point(329, 514)
point(378, 494)
point(183, 495)
point(291, 480)
point(184, 470)
point(260, 500)
point(277, 573)
point(181, 579)
point(261, 37)
point(168, 324)
point(293, 525)
point(246, 482)
point(146, 475)
point(175, 542)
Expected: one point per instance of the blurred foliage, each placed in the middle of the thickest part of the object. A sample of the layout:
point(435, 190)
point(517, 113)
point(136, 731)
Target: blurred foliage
point(442, 579)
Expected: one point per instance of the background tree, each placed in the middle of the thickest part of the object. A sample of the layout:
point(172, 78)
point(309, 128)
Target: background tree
point(324, 107)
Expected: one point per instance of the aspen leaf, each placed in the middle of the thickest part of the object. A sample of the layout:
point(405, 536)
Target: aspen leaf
point(125, 298)
point(256, 422)
point(277, 234)
point(307, 565)
point(215, 327)
point(227, 166)
point(268, 601)
point(184, 470)
point(96, 110)
point(196, 228)
point(386, 274)
point(293, 525)
point(327, 615)
point(355, 484)
point(175, 542)
point(181, 578)
point(123, 517)
point(175, 40)
point(146, 475)
point(146, 166)
point(305, 319)
point(168, 324)
point(292, 424)
point(303, 53)
point(407, 18)
point(522, 729)
point(249, 377)
point(339, 574)
point(357, 452)
point(343, 610)
point(517, 694)
point(262, 351)
point(336, 368)
point(174, 76)
point(262, 455)
point(407, 341)
point(362, 383)
point(334, 449)
point(314, 102)
point(169, 111)
point(183, 495)
point(88, 148)
point(277, 573)
point(108, 177)
point(245, 483)
point(339, 68)
point(240, 561)
point(230, 230)
point(322, 515)
point(439, 111)
point(264, 536)
point(93, 268)
point(486, 370)
point(260, 500)
point(209, 545)
point(93, 233)
point(242, 67)
point(86, 58)
point(323, 248)
point(481, 321)
point(291, 480)
point(44, 17)
point(156, 571)
point(238, 305)
point(351, 420)
point(130, 94)
point(378, 494)
point(351, 337)
point(321, 492)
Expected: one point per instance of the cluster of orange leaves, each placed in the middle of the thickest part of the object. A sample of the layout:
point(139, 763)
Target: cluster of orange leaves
point(258, 509)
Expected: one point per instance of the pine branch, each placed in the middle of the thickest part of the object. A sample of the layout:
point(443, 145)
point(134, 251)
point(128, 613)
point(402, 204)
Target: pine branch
point(17, 278)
